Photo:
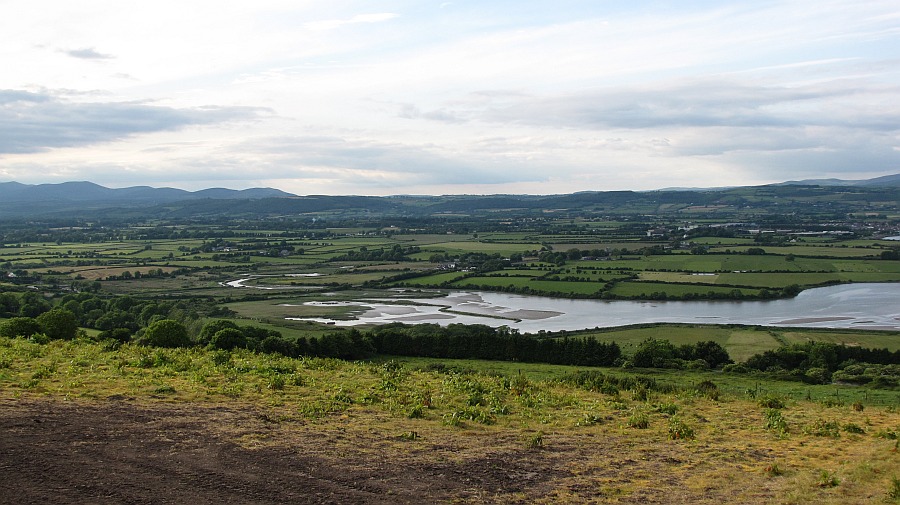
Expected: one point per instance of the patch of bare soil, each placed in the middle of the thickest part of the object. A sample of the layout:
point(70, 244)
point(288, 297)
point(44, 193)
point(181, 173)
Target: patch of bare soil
point(57, 452)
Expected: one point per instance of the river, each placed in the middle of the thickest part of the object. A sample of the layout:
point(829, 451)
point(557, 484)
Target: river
point(862, 306)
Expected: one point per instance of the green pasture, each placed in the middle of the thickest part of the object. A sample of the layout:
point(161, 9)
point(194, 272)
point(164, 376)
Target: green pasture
point(741, 342)
point(432, 239)
point(722, 241)
point(504, 249)
point(433, 280)
point(679, 277)
point(780, 280)
point(635, 289)
point(816, 251)
point(333, 278)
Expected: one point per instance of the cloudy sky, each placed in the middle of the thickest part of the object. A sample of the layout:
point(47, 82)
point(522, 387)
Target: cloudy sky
point(422, 97)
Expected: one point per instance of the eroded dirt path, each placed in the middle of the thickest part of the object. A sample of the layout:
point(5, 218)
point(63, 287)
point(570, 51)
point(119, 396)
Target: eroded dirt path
point(59, 452)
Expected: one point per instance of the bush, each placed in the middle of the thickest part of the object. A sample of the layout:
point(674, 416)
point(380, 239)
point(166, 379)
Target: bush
point(211, 328)
point(228, 339)
point(119, 334)
point(639, 420)
point(775, 422)
point(678, 430)
point(59, 324)
point(273, 344)
point(166, 333)
point(771, 402)
point(19, 327)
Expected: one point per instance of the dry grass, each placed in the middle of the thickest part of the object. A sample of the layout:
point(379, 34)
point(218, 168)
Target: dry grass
point(531, 441)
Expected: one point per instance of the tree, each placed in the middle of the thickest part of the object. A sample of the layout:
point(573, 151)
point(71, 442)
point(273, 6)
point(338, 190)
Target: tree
point(58, 323)
point(228, 339)
point(166, 333)
point(654, 353)
point(19, 327)
point(211, 328)
point(9, 304)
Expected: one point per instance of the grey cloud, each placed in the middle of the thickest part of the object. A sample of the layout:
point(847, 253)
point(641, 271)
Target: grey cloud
point(35, 122)
point(689, 104)
point(87, 53)
point(418, 164)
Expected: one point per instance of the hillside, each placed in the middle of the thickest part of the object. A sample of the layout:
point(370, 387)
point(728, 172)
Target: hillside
point(92, 201)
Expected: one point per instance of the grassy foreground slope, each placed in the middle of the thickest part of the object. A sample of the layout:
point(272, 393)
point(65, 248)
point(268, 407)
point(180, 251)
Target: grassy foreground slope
point(469, 437)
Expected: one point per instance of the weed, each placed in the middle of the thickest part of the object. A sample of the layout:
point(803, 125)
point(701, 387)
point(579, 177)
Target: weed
point(708, 389)
point(822, 428)
point(827, 479)
point(341, 397)
point(894, 491)
point(888, 434)
point(475, 414)
point(639, 420)
point(409, 435)
point(853, 428)
point(771, 402)
point(775, 422)
point(589, 419)
point(678, 430)
point(774, 470)
point(313, 410)
point(666, 408)
point(832, 402)
point(416, 412)
point(535, 441)
point(43, 372)
point(454, 419)
point(641, 394)
point(276, 382)
point(221, 357)
point(519, 384)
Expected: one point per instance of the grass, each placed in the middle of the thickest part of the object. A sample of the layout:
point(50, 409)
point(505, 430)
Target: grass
point(709, 447)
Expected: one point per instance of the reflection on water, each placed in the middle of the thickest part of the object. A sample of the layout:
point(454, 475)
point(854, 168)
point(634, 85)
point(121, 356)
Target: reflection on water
point(863, 306)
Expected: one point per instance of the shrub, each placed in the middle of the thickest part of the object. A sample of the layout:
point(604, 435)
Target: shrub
point(59, 324)
point(119, 334)
point(166, 333)
point(822, 428)
point(536, 441)
point(19, 327)
point(678, 430)
point(213, 327)
point(854, 428)
point(775, 422)
point(708, 389)
point(827, 479)
point(667, 408)
point(639, 420)
point(771, 402)
point(774, 470)
point(227, 339)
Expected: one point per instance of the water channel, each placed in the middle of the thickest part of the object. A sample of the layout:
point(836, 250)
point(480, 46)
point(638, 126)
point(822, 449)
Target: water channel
point(862, 306)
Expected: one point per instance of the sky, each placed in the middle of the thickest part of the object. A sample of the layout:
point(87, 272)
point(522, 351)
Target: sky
point(448, 97)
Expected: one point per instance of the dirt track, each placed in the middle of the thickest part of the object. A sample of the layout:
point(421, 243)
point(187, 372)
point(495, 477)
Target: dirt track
point(114, 451)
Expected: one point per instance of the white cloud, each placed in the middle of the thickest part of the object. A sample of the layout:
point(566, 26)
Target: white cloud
point(495, 96)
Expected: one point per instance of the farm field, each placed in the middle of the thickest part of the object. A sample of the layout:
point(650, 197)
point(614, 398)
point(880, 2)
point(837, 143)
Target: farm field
point(134, 369)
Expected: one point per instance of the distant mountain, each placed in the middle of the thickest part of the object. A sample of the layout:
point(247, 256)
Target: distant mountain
point(144, 195)
point(887, 180)
point(86, 200)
